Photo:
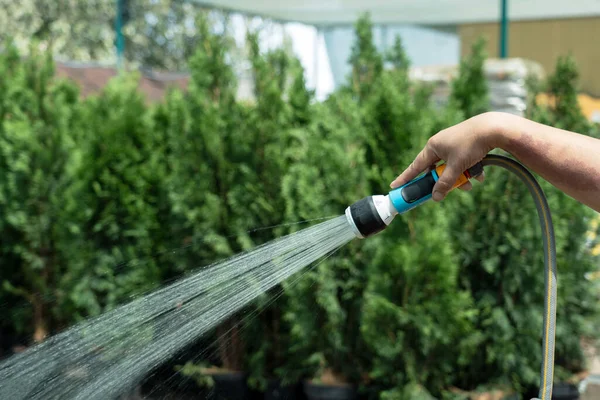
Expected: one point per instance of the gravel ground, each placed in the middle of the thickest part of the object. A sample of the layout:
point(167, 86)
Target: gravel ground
point(592, 392)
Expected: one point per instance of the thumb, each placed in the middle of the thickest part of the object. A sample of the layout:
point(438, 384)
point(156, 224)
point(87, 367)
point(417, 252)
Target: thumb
point(446, 182)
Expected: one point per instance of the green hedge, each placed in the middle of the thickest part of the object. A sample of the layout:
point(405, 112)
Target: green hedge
point(95, 193)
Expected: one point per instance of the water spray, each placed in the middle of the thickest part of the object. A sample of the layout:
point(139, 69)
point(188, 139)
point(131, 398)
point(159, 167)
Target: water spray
point(373, 214)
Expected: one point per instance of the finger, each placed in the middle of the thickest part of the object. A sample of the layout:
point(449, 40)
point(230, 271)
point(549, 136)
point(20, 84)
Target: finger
point(481, 177)
point(466, 187)
point(446, 182)
point(423, 160)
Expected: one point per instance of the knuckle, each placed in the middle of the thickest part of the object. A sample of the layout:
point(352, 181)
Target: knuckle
point(431, 142)
point(443, 185)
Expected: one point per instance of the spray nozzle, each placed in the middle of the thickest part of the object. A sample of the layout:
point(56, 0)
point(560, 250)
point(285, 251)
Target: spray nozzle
point(370, 215)
point(373, 214)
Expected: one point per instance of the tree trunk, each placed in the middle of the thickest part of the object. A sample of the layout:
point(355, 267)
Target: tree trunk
point(231, 348)
point(222, 334)
point(39, 322)
point(277, 351)
point(236, 348)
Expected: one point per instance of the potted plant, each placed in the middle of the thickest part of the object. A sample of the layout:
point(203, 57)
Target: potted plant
point(197, 373)
point(325, 311)
point(485, 392)
point(271, 358)
point(328, 385)
point(280, 112)
point(230, 378)
point(228, 381)
point(324, 303)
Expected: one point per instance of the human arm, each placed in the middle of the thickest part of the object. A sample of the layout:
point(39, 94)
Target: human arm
point(568, 160)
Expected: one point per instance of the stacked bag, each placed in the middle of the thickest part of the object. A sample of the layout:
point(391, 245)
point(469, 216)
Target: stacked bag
point(506, 79)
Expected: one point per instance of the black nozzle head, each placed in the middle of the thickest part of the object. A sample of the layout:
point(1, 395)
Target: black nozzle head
point(363, 215)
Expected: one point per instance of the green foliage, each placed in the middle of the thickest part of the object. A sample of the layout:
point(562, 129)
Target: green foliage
point(281, 110)
point(197, 130)
point(469, 90)
point(207, 149)
point(225, 166)
point(115, 216)
point(367, 63)
point(161, 34)
point(36, 147)
point(197, 373)
point(502, 266)
point(411, 391)
point(397, 56)
point(578, 307)
point(415, 322)
point(499, 266)
point(80, 30)
point(324, 304)
point(562, 87)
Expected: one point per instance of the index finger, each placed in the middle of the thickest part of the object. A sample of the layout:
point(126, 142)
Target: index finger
point(423, 160)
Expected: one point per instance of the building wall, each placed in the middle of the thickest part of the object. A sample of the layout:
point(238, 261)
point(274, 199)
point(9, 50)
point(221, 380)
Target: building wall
point(543, 41)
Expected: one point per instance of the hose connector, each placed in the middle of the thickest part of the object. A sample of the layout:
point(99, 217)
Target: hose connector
point(370, 215)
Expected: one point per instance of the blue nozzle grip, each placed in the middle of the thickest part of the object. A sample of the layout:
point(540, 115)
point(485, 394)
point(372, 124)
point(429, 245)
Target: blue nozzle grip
point(414, 193)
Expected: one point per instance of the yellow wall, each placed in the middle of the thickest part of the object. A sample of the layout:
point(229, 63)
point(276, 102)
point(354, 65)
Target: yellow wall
point(543, 41)
point(590, 106)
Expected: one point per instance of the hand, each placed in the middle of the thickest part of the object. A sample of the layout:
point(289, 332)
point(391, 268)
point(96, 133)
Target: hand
point(461, 146)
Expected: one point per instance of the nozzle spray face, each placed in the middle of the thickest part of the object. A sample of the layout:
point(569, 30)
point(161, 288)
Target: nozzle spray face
point(370, 215)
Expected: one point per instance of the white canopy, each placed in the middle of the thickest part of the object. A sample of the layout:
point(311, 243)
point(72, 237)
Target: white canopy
point(428, 28)
point(419, 12)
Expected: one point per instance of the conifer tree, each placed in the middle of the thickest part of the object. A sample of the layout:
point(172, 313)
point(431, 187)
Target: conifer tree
point(115, 217)
point(205, 141)
point(371, 298)
point(502, 265)
point(397, 56)
point(415, 344)
point(577, 309)
point(327, 173)
point(469, 90)
point(282, 105)
point(37, 117)
point(367, 63)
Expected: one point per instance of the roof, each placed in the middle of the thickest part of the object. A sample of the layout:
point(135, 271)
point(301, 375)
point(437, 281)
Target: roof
point(91, 78)
point(421, 12)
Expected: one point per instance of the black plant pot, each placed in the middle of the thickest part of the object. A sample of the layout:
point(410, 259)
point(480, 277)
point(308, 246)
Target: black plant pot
point(560, 391)
point(275, 391)
point(315, 391)
point(230, 386)
point(565, 391)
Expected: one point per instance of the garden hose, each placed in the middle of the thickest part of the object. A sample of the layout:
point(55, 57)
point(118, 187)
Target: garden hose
point(374, 213)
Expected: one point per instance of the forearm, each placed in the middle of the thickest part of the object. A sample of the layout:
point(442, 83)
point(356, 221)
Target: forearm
point(569, 161)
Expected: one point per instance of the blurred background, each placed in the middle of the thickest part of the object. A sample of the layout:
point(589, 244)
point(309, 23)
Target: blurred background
point(142, 139)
